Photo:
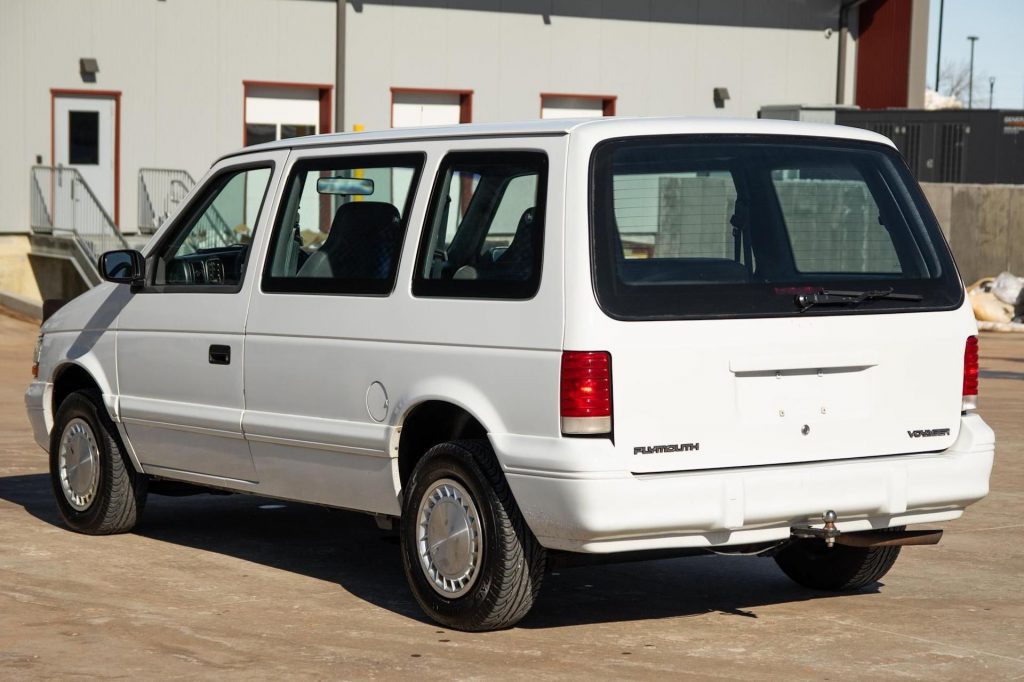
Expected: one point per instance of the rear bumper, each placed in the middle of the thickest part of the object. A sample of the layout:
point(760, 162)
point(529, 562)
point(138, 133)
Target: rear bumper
point(36, 399)
point(616, 512)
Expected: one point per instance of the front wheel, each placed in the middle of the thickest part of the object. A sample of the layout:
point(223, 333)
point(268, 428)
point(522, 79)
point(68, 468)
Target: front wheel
point(470, 559)
point(811, 563)
point(97, 490)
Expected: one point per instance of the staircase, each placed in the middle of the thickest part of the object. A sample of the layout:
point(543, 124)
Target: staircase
point(161, 191)
point(69, 221)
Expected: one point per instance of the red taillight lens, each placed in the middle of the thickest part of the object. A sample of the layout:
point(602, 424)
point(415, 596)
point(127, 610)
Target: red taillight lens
point(586, 392)
point(971, 373)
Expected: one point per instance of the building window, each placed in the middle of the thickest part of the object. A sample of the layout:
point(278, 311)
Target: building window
point(290, 130)
point(83, 138)
point(258, 133)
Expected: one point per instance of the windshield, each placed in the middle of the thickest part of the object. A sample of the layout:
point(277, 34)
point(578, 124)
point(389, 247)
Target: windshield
point(730, 226)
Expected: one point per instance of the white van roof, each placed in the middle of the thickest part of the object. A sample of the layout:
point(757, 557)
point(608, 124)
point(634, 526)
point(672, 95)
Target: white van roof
point(610, 127)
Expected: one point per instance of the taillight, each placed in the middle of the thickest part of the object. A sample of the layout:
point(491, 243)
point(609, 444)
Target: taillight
point(970, 401)
point(586, 392)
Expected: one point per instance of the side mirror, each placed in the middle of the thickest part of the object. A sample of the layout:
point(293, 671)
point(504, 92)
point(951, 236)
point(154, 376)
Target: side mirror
point(123, 267)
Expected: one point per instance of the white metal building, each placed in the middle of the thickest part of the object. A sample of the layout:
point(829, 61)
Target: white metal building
point(110, 88)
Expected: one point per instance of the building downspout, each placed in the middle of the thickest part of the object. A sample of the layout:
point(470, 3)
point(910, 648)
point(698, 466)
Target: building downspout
point(339, 70)
point(844, 32)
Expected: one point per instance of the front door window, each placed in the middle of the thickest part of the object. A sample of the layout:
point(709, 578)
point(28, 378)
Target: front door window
point(212, 246)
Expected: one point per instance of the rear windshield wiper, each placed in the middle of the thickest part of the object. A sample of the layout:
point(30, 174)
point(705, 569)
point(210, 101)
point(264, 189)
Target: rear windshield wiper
point(851, 298)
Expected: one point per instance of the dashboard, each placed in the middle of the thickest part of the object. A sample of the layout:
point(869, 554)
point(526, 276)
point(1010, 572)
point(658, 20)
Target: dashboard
point(220, 266)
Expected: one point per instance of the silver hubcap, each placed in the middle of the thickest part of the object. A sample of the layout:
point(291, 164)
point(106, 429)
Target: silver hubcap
point(79, 464)
point(449, 538)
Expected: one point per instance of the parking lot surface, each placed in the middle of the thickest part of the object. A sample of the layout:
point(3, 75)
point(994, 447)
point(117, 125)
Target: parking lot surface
point(240, 587)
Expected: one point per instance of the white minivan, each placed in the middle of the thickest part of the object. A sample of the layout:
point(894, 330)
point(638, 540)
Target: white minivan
point(535, 341)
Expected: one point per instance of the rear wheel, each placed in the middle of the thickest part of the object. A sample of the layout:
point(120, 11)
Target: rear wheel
point(470, 559)
point(811, 563)
point(96, 487)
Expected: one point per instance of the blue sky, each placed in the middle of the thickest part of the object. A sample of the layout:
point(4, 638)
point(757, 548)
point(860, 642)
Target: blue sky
point(999, 52)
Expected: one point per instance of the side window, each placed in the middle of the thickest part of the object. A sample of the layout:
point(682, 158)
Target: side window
point(677, 215)
point(212, 246)
point(341, 225)
point(484, 234)
point(833, 221)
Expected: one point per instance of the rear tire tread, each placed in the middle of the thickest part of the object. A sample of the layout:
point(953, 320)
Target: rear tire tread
point(876, 565)
point(523, 560)
point(514, 581)
point(840, 568)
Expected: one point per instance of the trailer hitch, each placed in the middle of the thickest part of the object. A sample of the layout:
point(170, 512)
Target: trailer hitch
point(869, 538)
point(828, 532)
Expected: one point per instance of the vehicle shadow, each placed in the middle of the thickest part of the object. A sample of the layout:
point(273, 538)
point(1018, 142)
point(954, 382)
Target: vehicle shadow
point(347, 549)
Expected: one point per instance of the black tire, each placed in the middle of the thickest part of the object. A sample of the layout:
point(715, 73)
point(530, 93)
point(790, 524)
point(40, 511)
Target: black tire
point(812, 564)
point(120, 491)
point(512, 561)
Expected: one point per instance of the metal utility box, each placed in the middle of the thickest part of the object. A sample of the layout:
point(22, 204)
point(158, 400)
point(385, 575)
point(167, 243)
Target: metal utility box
point(802, 112)
point(984, 146)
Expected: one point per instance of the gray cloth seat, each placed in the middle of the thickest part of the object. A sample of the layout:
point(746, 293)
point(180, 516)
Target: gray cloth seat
point(363, 243)
point(518, 260)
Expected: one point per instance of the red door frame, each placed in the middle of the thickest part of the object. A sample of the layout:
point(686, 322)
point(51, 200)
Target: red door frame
point(607, 101)
point(465, 101)
point(116, 96)
point(324, 91)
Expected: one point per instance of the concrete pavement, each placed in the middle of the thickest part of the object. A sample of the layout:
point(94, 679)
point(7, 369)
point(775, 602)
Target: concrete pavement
point(239, 587)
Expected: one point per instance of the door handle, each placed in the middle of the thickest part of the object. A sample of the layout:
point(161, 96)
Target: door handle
point(220, 355)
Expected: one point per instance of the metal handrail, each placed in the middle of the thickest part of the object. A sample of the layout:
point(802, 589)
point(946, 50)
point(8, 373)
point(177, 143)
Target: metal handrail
point(63, 204)
point(157, 195)
point(40, 219)
point(163, 189)
point(211, 231)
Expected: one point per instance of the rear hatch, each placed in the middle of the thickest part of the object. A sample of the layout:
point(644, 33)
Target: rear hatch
point(778, 299)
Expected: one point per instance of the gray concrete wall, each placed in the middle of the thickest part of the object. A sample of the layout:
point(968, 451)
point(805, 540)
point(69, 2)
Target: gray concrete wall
point(660, 58)
point(179, 65)
point(984, 225)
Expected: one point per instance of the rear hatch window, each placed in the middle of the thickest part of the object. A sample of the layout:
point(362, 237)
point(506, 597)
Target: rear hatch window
point(757, 226)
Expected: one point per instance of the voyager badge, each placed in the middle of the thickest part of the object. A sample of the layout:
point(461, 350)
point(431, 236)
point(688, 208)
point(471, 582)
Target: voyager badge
point(928, 433)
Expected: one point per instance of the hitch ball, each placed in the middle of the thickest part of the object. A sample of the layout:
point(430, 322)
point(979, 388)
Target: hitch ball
point(831, 532)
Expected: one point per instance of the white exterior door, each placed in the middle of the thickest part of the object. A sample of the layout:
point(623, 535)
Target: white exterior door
point(425, 109)
point(84, 138)
point(279, 113)
point(572, 107)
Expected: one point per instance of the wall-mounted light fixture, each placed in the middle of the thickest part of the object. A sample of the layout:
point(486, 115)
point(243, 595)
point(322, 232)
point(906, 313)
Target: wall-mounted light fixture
point(720, 95)
point(88, 67)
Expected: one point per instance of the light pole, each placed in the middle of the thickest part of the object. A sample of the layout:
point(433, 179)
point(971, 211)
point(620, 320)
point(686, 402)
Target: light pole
point(938, 55)
point(991, 87)
point(970, 81)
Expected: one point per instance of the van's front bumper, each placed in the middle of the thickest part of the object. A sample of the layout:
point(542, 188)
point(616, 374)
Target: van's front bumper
point(616, 512)
point(37, 397)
